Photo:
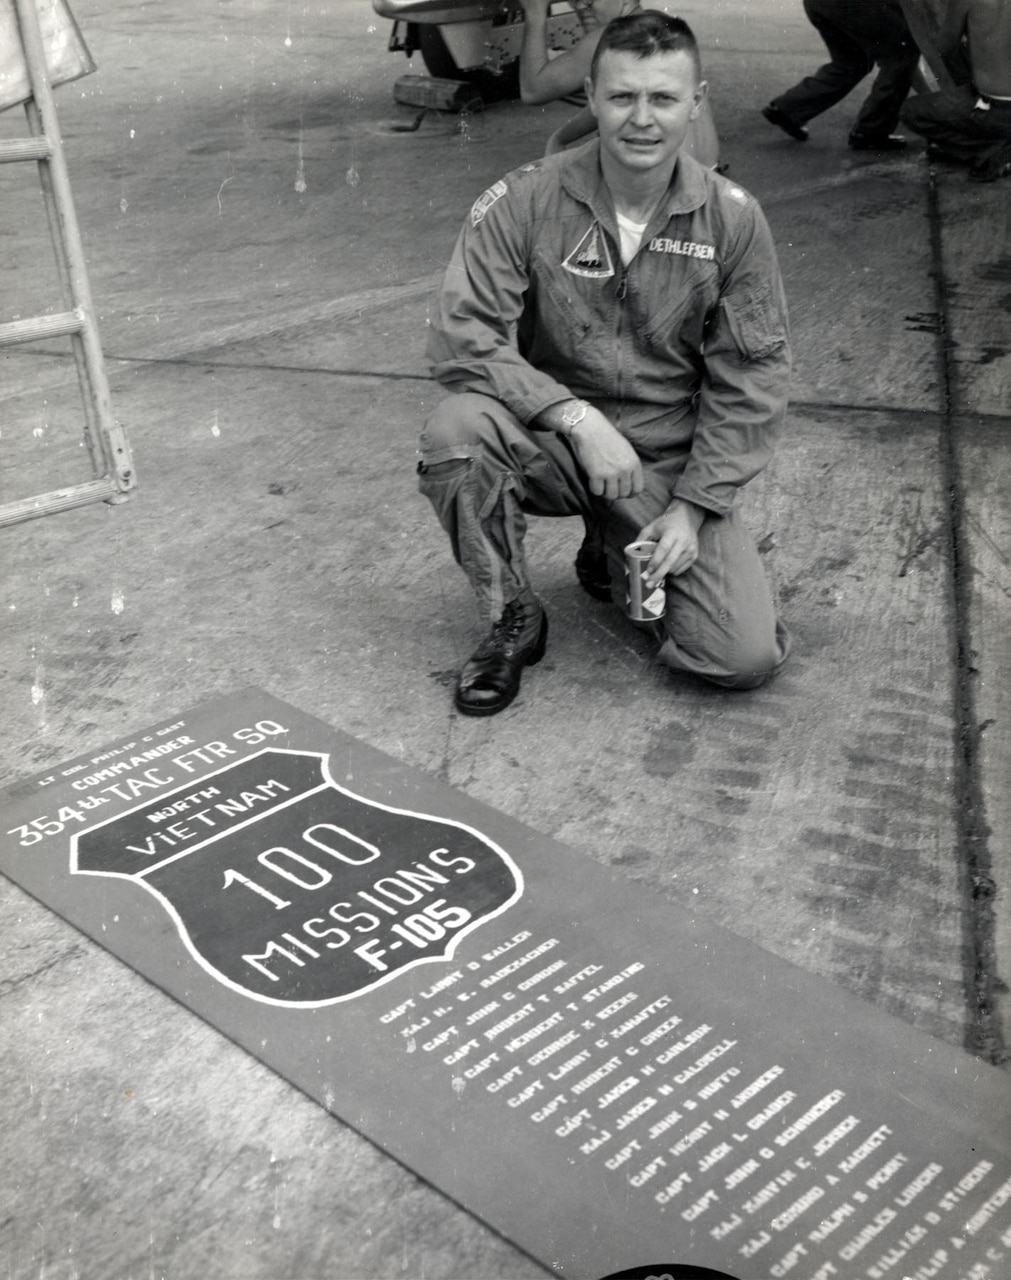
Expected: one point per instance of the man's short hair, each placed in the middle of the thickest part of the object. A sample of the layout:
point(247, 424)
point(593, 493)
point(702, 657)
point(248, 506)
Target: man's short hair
point(645, 33)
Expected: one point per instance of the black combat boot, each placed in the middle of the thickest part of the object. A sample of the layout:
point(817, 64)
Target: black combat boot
point(592, 570)
point(490, 678)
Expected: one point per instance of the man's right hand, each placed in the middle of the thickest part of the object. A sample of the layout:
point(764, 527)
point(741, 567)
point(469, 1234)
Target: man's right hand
point(611, 464)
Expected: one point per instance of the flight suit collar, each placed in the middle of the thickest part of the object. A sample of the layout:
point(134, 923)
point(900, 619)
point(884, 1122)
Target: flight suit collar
point(584, 179)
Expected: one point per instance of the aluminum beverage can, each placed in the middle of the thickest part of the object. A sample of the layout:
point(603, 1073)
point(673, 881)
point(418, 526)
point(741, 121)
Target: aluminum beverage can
point(643, 604)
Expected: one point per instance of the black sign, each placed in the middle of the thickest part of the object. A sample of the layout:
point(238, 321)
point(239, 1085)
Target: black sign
point(291, 889)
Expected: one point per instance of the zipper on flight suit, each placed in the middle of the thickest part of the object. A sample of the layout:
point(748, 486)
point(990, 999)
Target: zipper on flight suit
point(619, 340)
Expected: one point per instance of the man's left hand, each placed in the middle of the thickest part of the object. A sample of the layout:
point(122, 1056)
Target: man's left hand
point(676, 536)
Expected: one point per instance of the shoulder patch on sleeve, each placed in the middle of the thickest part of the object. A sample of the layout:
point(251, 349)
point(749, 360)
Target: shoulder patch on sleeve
point(737, 193)
point(485, 201)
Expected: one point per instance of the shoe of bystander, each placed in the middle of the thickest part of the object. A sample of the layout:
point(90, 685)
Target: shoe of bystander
point(997, 164)
point(782, 121)
point(877, 142)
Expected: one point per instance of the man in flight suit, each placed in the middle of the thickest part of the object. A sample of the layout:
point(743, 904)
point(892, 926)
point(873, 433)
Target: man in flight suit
point(613, 327)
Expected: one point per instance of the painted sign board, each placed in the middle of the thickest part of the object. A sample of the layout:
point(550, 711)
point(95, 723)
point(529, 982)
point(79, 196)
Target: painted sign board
point(602, 1077)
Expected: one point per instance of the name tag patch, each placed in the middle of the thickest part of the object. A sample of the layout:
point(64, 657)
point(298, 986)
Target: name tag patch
point(686, 248)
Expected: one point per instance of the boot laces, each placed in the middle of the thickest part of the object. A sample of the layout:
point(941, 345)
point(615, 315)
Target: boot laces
point(516, 617)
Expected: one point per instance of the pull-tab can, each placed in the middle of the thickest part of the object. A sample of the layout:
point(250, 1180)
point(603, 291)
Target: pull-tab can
point(643, 604)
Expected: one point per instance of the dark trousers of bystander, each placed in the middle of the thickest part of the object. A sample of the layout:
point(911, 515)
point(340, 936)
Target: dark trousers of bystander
point(960, 123)
point(859, 35)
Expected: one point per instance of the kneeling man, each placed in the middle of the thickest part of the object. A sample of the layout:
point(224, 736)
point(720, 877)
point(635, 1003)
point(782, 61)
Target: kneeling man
point(613, 329)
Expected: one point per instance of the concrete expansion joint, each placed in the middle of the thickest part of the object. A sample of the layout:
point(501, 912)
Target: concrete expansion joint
point(984, 1036)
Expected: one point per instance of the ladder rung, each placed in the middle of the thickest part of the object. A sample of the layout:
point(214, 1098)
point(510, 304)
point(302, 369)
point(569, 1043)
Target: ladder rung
point(37, 148)
point(101, 490)
point(58, 325)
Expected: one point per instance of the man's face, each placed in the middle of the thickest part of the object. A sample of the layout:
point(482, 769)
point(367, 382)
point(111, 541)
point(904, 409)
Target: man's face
point(643, 107)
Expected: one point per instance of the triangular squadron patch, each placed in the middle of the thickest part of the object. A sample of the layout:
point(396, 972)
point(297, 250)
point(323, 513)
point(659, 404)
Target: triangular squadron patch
point(591, 257)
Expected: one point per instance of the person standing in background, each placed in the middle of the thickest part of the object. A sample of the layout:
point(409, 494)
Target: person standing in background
point(859, 35)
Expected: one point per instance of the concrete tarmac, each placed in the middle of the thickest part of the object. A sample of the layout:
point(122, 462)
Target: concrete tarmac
point(263, 244)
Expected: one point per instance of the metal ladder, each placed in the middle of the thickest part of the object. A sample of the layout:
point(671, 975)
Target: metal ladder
point(107, 444)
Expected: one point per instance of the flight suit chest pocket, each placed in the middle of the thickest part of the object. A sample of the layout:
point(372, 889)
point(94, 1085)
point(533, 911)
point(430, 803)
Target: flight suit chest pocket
point(679, 315)
point(561, 296)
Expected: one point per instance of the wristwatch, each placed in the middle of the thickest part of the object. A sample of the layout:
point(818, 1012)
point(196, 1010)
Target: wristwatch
point(573, 414)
